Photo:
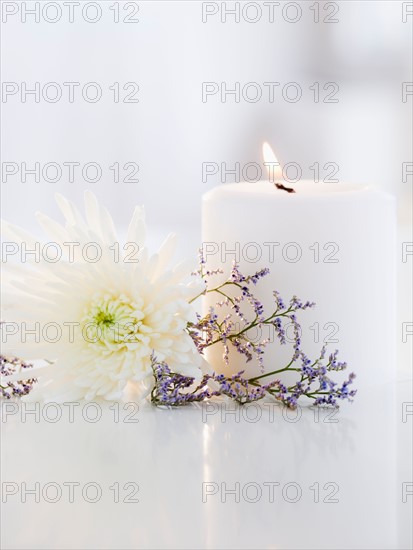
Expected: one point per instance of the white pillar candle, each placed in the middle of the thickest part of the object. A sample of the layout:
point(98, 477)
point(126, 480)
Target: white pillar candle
point(333, 244)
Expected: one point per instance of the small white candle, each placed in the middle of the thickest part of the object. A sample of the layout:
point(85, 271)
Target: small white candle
point(333, 244)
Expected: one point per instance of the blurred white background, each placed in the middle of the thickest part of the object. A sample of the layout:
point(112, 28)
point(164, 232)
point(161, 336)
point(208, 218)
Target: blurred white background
point(169, 51)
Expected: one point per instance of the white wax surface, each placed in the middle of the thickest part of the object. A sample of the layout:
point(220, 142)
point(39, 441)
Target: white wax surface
point(354, 224)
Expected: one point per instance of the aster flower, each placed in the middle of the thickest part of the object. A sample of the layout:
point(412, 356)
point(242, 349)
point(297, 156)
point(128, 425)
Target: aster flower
point(97, 321)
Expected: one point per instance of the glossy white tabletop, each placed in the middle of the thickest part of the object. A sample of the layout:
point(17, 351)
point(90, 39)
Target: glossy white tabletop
point(207, 477)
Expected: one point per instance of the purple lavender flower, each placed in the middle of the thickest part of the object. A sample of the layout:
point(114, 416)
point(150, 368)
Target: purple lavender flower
point(172, 389)
point(9, 366)
point(231, 331)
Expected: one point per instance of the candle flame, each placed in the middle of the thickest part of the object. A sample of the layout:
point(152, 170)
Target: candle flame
point(270, 161)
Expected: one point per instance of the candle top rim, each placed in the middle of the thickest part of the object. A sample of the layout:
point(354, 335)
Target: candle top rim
point(303, 188)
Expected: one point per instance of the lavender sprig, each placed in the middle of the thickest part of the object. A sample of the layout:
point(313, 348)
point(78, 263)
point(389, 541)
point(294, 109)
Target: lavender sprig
point(231, 330)
point(172, 389)
point(9, 366)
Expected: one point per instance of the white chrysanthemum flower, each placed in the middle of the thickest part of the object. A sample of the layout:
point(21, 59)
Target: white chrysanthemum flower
point(98, 322)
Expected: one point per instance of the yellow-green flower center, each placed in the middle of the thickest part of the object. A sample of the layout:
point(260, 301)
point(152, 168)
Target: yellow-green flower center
point(104, 318)
point(113, 322)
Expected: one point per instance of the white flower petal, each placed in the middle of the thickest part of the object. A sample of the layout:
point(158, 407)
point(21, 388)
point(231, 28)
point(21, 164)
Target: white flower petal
point(99, 219)
point(70, 212)
point(137, 229)
point(52, 228)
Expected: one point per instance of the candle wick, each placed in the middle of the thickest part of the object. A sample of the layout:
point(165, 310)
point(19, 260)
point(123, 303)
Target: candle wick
point(284, 188)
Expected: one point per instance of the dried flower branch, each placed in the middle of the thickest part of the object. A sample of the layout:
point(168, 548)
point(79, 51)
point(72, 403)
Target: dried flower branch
point(312, 382)
point(9, 366)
